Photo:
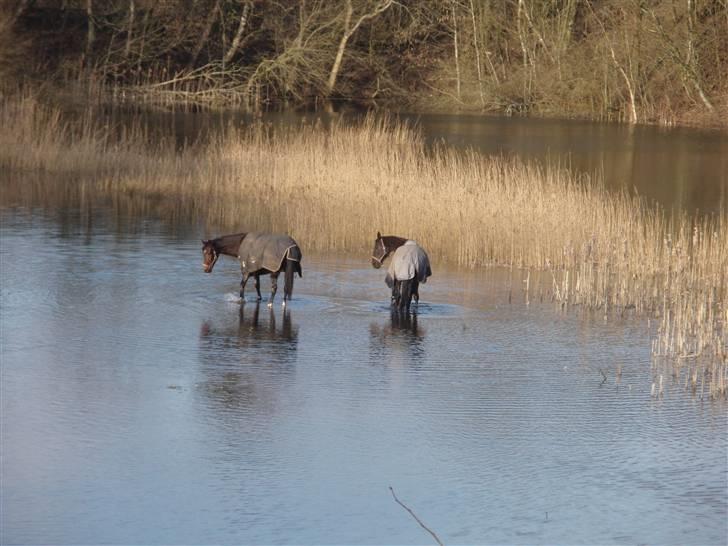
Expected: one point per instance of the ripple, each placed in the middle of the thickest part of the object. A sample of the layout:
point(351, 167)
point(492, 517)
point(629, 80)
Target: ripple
point(156, 383)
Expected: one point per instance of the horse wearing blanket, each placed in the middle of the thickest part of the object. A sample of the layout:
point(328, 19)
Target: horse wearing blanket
point(259, 254)
point(409, 267)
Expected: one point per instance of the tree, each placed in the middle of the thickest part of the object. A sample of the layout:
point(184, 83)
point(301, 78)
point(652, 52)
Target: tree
point(380, 7)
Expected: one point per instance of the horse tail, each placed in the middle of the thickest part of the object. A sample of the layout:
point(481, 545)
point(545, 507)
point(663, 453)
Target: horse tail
point(405, 294)
point(290, 270)
point(293, 265)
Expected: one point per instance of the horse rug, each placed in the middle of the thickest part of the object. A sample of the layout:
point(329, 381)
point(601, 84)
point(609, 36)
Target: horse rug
point(408, 261)
point(266, 251)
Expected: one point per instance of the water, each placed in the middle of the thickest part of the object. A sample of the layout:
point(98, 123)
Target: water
point(142, 403)
point(681, 169)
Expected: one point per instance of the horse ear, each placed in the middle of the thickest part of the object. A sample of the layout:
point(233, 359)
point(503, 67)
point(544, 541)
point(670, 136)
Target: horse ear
point(379, 235)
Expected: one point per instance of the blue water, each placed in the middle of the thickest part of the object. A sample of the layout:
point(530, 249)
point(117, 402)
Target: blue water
point(143, 403)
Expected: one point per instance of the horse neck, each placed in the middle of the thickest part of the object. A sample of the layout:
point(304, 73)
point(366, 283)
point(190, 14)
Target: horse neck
point(229, 244)
point(392, 242)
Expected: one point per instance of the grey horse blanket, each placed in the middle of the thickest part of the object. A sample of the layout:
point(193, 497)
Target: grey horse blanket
point(408, 261)
point(266, 251)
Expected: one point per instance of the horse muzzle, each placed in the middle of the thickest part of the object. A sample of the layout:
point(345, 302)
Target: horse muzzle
point(376, 264)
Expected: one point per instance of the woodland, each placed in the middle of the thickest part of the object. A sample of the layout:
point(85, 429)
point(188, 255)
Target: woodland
point(637, 61)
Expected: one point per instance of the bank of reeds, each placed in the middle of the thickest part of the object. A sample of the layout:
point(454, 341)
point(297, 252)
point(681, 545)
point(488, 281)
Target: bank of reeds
point(333, 188)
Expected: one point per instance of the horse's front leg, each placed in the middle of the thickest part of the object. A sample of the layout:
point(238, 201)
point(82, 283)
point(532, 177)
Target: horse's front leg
point(242, 285)
point(273, 288)
point(257, 286)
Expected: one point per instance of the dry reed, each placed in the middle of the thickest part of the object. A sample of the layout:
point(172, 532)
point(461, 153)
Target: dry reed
point(333, 188)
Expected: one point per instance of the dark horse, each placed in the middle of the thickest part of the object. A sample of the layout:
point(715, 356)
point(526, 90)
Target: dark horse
point(409, 267)
point(259, 254)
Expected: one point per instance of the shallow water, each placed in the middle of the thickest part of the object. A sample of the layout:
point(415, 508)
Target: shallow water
point(142, 403)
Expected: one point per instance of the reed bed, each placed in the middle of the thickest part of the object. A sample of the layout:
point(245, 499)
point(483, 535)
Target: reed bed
point(333, 187)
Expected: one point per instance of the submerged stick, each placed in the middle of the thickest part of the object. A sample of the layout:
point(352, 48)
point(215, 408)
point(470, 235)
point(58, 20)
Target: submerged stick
point(416, 518)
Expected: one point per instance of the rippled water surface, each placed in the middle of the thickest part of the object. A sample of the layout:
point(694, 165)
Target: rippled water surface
point(142, 403)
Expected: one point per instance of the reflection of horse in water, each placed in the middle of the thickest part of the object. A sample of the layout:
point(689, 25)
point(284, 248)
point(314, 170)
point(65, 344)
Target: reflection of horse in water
point(243, 360)
point(409, 267)
point(402, 332)
point(253, 329)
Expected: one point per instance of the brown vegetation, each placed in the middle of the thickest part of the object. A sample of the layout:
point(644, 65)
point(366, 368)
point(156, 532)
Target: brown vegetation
point(332, 188)
point(660, 61)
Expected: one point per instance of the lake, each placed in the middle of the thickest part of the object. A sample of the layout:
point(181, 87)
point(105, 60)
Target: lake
point(143, 403)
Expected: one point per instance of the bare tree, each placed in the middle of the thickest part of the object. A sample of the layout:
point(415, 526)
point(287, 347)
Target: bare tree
point(687, 60)
point(205, 35)
point(455, 45)
point(91, 32)
point(130, 28)
point(247, 8)
point(349, 30)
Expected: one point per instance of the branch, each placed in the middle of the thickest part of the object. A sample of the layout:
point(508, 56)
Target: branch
point(381, 8)
point(416, 518)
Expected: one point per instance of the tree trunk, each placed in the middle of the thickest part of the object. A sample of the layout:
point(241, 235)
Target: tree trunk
point(130, 28)
point(247, 7)
point(477, 55)
point(91, 33)
point(455, 44)
point(205, 34)
point(348, 33)
point(340, 51)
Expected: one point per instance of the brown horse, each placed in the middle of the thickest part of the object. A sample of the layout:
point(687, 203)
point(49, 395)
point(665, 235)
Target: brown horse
point(409, 267)
point(259, 254)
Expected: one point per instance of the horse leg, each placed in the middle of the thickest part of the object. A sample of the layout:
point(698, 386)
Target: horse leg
point(273, 287)
point(242, 286)
point(416, 292)
point(395, 294)
point(257, 286)
point(405, 295)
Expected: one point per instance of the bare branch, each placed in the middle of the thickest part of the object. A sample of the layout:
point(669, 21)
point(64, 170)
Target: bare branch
point(418, 520)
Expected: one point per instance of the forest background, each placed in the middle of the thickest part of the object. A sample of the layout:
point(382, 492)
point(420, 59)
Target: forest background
point(656, 61)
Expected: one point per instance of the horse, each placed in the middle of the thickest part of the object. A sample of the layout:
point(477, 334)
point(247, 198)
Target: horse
point(409, 267)
point(259, 254)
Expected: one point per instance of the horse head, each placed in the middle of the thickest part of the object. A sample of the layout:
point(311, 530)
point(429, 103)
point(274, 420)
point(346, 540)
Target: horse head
point(379, 252)
point(209, 255)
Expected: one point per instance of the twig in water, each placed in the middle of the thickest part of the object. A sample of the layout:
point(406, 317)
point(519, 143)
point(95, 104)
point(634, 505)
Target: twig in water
point(604, 377)
point(414, 516)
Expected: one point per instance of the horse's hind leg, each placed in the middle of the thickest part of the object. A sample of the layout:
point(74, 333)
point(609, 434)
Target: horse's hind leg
point(257, 286)
point(416, 292)
point(405, 295)
point(273, 288)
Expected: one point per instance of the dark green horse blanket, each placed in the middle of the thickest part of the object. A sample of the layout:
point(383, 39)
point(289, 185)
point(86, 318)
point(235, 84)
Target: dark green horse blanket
point(267, 251)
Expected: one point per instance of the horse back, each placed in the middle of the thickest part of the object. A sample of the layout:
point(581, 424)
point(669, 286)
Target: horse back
point(408, 262)
point(267, 251)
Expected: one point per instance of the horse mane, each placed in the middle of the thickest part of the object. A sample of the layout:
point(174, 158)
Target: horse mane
point(393, 242)
point(228, 244)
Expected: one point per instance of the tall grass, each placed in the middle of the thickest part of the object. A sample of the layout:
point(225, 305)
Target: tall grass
point(333, 188)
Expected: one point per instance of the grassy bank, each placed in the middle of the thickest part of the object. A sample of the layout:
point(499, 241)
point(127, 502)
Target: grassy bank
point(333, 188)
